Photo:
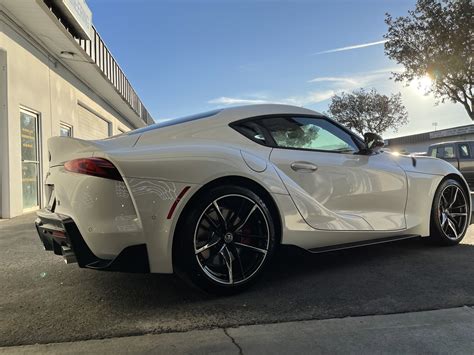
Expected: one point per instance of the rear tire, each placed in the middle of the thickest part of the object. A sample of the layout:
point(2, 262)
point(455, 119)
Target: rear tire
point(226, 239)
point(449, 214)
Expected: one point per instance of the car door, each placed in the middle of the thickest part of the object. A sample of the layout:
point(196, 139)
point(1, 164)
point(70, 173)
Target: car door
point(333, 185)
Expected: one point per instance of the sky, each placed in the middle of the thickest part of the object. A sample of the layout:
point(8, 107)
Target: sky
point(189, 56)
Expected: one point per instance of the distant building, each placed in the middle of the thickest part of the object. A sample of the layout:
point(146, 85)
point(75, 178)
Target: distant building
point(57, 77)
point(420, 142)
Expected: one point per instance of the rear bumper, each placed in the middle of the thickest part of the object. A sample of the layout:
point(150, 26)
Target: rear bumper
point(59, 233)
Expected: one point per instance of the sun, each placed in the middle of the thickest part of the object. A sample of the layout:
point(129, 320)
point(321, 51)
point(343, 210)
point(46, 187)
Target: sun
point(423, 84)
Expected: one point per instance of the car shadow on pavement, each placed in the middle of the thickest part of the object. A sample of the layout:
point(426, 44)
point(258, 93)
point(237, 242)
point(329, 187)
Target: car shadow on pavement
point(406, 275)
point(42, 300)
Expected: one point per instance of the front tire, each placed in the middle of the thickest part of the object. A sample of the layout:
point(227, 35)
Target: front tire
point(226, 238)
point(449, 213)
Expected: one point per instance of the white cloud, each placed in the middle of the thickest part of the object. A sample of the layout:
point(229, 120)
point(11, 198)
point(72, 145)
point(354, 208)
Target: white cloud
point(327, 87)
point(318, 96)
point(386, 70)
point(362, 79)
point(333, 79)
point(355, 46)
point(303, 100)
point(312, 97)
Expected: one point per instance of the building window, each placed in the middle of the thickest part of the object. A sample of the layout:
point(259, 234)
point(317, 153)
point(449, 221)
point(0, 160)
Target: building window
point(65, 130)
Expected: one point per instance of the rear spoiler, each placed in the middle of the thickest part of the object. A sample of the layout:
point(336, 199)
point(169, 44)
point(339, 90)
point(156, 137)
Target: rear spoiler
point(62, 149)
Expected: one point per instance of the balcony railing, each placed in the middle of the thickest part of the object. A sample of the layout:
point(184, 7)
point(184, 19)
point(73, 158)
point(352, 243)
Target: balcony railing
point(99, 53)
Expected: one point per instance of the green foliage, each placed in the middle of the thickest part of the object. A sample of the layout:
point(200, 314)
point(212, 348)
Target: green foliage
point(368, 111)
point(436, 39)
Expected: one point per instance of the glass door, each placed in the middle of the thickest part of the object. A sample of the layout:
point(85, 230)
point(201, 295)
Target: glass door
point(30, 163)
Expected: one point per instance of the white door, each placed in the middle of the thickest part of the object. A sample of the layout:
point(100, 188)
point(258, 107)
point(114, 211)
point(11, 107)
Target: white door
point(91, 126)
point(333, 186)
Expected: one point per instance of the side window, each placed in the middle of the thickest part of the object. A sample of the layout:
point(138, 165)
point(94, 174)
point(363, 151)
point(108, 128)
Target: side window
point(309, 133)
point(464, 151)
point(448, 152)
point(434, 152)
point(252, 130)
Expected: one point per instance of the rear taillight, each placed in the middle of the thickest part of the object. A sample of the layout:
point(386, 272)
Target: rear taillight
point(94, 166)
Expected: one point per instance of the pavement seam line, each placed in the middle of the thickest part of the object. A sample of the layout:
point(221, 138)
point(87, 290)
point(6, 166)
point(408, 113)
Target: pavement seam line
point(309, 319)
point(233, 341)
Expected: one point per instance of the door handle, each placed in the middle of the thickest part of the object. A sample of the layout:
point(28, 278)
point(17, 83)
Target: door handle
point(304, 167)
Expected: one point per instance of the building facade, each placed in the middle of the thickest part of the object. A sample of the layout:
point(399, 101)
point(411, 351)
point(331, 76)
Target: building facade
point(57, 77)
point(419, 143)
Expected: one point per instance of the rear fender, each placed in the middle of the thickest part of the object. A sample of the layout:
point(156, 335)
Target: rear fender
point(101, 208)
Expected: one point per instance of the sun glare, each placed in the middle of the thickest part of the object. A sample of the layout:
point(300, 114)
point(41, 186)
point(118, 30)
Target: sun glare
point(423, 84)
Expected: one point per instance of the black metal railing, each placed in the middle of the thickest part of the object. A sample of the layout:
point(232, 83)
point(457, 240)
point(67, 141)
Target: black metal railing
point(100, 54)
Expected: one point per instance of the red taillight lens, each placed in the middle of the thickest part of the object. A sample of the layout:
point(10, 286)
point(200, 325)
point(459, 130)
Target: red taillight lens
point(94, 166)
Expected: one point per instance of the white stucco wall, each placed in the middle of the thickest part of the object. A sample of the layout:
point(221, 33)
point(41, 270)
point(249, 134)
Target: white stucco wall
point(33, 80)
point(4, 185)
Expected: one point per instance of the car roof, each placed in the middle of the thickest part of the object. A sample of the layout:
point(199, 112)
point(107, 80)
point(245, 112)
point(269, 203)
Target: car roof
point(232, 114)
point(240, 112)
point(448, 142)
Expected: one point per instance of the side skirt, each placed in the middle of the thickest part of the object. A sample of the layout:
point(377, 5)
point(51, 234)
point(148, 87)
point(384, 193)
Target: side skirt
point(361, 243)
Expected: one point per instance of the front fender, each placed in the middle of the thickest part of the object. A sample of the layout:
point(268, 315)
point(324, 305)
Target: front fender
point(425, 165)
point(424, 176)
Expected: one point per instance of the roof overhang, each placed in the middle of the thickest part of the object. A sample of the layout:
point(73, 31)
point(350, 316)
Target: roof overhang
point(40, 23)
point(78, 15)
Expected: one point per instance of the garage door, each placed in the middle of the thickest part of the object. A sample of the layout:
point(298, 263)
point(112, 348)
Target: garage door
point(91, 126)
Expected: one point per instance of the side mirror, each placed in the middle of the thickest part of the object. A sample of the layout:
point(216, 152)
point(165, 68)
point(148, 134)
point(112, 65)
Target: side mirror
point(373, 142)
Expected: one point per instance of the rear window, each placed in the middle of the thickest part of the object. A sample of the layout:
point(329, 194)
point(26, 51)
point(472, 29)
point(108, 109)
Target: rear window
point(252, 130)
point(175, 121)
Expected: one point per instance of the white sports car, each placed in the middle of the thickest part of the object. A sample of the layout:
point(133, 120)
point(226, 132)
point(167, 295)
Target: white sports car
point(213, 195)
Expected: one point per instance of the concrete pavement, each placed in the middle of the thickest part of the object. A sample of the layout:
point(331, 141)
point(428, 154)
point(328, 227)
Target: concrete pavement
point(42, 300)
point(446, 331)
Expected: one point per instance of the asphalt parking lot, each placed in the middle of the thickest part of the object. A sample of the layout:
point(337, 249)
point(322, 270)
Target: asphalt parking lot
point(42, 300)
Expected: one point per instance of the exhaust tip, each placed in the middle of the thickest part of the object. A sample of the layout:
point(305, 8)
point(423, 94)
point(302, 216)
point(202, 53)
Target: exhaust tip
point(68, 255)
